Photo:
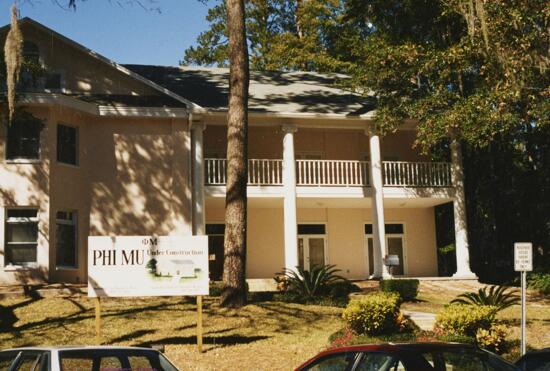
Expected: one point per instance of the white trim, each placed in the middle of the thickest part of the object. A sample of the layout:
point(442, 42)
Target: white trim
point(57, 99)
point(19, 220)
point(307, 237)
point(142, 111)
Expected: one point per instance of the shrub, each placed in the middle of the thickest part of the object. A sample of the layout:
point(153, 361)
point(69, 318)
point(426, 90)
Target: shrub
point(497, 297)
point(540, 282)
point(492, 339)
point(464, 319)
point(407, 288)
point(312, 283)
point(373, 314)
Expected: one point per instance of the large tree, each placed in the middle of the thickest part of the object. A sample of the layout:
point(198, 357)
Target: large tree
point(234, 292)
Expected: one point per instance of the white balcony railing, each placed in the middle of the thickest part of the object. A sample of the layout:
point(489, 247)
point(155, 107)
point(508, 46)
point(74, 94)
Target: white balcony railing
point(269, 172)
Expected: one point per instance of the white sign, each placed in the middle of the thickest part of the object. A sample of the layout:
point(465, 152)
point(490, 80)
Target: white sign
point(523, 256)
point(147, 266)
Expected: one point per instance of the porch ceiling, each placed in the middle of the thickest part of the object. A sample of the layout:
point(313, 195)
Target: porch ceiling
point(333, 203)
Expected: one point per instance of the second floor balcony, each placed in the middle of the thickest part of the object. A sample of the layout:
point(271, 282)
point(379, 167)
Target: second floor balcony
point(335, 173)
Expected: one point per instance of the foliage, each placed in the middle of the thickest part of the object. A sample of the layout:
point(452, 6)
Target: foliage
point(376, 313)
point(493, 338)
point(406, 288)
point(497, 297)
point(13, 54)
point(464, 319)
point(309, 284)
point(539, 281)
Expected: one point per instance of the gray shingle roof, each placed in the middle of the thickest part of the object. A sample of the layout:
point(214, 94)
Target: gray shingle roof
point(273, 92)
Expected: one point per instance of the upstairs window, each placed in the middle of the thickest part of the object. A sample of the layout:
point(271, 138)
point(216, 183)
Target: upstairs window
point(21, 236)
point(67, 144)
point(23, 140)
point(31, 53)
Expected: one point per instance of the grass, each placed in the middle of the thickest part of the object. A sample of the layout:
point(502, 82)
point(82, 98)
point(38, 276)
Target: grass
point(431, 299)
point(268, 335)
point(261, 336)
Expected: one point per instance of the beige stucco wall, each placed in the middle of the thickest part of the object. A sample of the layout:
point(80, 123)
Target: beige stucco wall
point(345, 239)
point(332, 144)
point(132, 179)
point(80, 72)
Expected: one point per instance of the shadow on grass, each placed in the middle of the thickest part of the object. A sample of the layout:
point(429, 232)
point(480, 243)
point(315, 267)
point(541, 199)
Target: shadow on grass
point(215, 341)
point(131, 336)
point(7, 313)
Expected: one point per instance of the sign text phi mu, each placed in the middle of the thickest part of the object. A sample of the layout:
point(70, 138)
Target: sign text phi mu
point(147, 266)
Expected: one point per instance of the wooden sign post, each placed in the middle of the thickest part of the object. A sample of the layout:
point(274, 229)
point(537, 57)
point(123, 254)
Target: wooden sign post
point(98, 320)
point(199, 323)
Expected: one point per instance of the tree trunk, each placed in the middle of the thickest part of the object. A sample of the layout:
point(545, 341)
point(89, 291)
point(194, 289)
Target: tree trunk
point(234, 293)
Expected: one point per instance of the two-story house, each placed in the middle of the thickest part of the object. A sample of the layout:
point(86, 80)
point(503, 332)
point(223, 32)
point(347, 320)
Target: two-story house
point(115, 149)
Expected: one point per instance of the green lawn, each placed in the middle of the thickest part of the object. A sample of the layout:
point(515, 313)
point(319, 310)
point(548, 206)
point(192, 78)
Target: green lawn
point(262, 336)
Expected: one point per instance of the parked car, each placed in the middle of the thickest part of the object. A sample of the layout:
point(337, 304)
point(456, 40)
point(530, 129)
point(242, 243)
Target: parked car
point(405, 357)
point(83, 359)
point(538, 360)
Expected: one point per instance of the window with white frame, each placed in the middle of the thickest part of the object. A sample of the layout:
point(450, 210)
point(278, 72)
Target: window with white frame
point(67, 144)
point(66, 246)
point(21, 236)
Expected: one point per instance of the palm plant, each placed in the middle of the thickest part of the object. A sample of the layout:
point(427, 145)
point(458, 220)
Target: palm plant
point(496, 296)
point(314, 282)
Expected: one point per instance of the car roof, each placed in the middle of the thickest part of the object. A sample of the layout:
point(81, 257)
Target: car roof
point(402, 347)
point(78, 347)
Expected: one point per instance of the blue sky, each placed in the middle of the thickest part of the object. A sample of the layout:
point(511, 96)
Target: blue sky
point(125, 35)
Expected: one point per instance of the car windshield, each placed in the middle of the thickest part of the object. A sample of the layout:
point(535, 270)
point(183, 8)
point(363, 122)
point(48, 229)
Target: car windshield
point(535, 362)
point(464, 359)
point(113, 359)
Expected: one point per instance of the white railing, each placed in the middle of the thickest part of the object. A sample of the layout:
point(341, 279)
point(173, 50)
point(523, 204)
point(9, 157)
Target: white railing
point(335, 173)
point(332, 173)
point(416, 174)
point(260, 171)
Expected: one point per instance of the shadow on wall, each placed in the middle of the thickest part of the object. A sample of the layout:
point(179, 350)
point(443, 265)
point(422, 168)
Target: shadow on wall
point(139, 182)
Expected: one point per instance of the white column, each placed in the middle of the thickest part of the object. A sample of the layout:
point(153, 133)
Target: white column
point(198, 179)
point(461, 232)
point(289, 185)
point(378, 232)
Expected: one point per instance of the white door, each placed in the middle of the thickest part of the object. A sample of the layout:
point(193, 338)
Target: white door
point(311, 251)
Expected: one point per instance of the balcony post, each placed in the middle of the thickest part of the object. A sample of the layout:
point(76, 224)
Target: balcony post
point(378, 223)
point(459, 205)
point(198, 179)
point(289, 186)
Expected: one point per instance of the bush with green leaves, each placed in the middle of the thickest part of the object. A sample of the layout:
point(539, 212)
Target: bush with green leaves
point(464, 319)
point(539, 281)
point(500, 297)
point(406, 288)
point(373, 314)
point(309, 284)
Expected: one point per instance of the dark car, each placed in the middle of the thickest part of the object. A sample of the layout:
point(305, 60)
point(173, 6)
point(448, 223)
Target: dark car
point(83, 359)
point(535, 361)
point(413, 356)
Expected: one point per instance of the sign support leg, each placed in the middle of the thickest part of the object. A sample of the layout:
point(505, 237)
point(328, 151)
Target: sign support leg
point(98, 321)
point(199, 323)
point(523, 314)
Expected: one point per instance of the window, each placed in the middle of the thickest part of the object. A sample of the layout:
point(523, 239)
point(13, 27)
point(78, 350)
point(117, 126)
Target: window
point(389, 228)
point(311, 229)
point(24, 139)
point(31, 53)
point(21, 236)
point(67, 144)
point(334, 362)
point(66, 244)
point(379, 361)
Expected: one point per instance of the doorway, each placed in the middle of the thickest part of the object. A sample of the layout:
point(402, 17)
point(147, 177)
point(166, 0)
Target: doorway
point(395, 244)
point(312, 245)
point(215, 233)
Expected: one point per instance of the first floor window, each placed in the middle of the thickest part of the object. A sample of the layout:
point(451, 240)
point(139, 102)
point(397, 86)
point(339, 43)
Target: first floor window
point(21, 236)
point(66, 236)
